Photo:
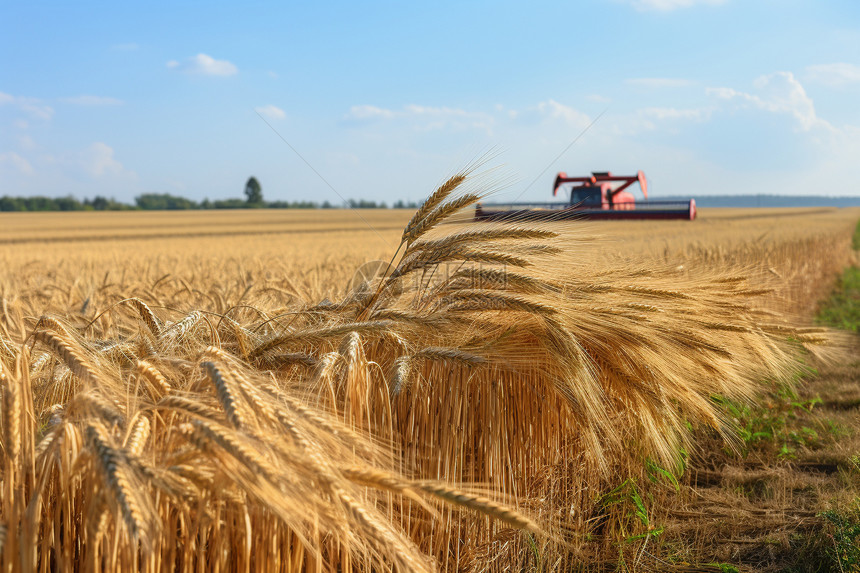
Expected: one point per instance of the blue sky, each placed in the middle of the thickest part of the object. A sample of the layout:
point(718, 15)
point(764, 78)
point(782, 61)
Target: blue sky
point(386, 99)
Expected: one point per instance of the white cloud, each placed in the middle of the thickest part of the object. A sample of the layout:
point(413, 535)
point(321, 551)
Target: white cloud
point(556, 110)
point(271, 111)
point(204, 65)
point(38, 110)
point(436, 111)
point(423, 118)
point(781, 93)
point(29, 105)
point(672, 113)
point(658, 83)
point(835, 75)
point(98, 160)
point(364, 112)
point(669, 5)
point(21, 123)
point(91, 100)
point(17, 162)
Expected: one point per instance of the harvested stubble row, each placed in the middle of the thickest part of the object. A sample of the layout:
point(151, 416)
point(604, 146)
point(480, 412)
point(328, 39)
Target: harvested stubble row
point(465, 410)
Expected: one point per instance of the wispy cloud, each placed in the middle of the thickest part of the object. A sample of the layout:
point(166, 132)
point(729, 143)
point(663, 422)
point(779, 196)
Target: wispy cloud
point(423, 117)
point(98, 161)
point(91, 100)
point(204, 65)
point(779, 92)
point(29, 105)
point(669, 5)
point(552, 109)
point(16, 162)
point(271, 111)
point(658, 83)
point(838, 74)
point(673, 113)
point(368, 112)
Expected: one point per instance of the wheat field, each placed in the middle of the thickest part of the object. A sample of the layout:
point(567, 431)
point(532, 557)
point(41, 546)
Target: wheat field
point(219, 391)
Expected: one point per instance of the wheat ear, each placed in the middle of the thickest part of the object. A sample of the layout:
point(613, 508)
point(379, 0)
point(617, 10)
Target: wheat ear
point(478, 300)
point(434, 200)
point(401, 377)
point(120, 482)
point(473, 237)
point(140, 432)
point(70, 354)
point(147, 316)
point(226, 394)
point(51, 323)
point(450, 354)
point(187, 406)
point(480, 504)
point(158, 384)
point(321, 333)
point(439, 214)
point(214, 434)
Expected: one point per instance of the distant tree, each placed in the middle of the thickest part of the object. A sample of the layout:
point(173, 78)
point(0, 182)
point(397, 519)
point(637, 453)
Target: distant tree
point(232, 204)
point(99, 203)
point(163, 201)
point(253, 191)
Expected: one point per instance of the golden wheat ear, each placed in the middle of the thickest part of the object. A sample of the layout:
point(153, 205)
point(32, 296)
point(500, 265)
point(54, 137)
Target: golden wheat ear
point(124, 486)
point(70, 353)
point(433, 201)
point(147, 316)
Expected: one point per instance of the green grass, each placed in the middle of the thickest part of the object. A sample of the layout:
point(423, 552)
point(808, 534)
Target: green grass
point(842, 309)
point(775, 423)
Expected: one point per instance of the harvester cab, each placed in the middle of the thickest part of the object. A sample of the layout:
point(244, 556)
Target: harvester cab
point(597, 191)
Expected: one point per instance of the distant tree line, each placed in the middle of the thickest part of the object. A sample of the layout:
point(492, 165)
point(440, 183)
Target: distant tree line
point(61, 204)
point(166, 202)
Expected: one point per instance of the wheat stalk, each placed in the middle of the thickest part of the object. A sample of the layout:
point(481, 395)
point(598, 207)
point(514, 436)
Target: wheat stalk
point(11, 416)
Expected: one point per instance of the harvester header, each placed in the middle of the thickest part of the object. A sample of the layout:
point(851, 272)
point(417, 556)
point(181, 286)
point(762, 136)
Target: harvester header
point(600, 195)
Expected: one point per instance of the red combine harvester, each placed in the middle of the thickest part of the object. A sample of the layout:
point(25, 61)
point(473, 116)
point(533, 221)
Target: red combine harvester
point(596, 196)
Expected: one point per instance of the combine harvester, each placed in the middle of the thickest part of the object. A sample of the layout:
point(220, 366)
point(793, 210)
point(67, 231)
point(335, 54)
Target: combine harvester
point(592, 197)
